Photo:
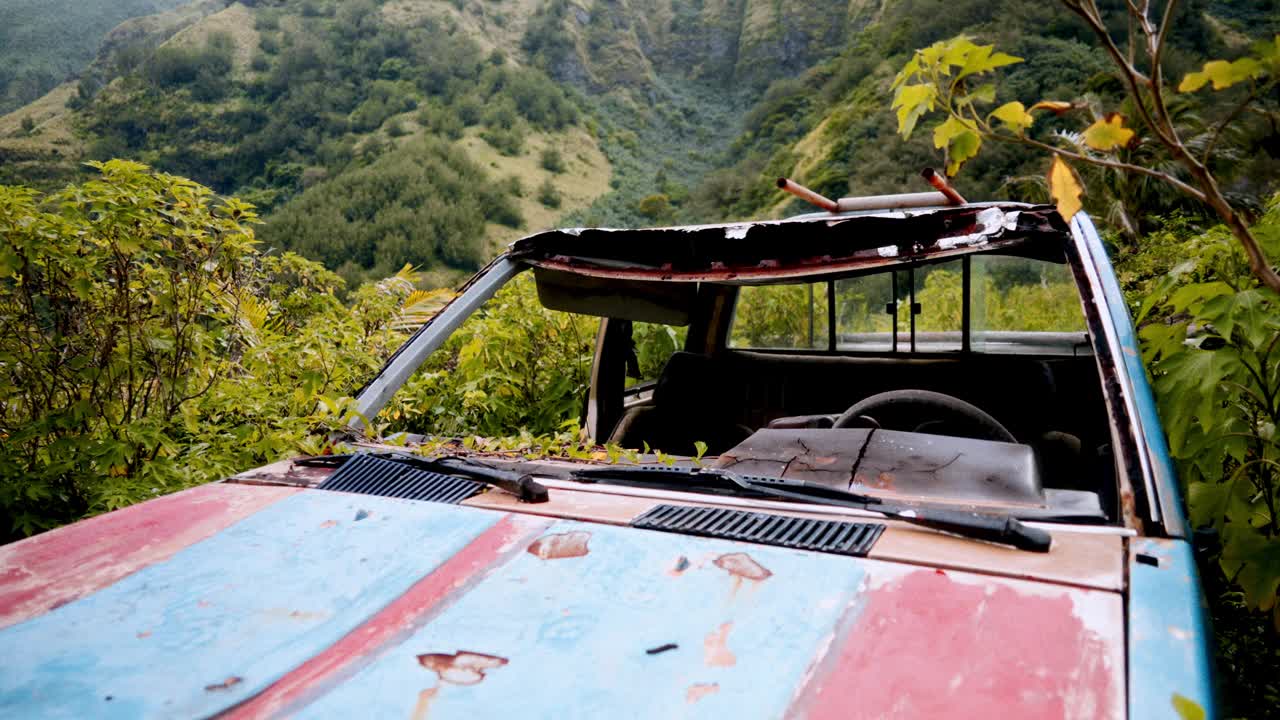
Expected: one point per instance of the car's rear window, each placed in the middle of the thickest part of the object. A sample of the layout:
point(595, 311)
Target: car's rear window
point(1009, 305)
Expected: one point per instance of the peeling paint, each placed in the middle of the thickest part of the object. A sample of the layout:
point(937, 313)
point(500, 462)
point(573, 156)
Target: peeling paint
point(743, 566)
point(929, 645)
point(461, 668)
point(561, 545)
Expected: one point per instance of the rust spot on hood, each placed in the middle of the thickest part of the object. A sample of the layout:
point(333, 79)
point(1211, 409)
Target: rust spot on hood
point(421, 708)
point(225, 684)
point(716, 652)
point(562, 545)
point(742, 565)
point(697, 691)
point(461, 668)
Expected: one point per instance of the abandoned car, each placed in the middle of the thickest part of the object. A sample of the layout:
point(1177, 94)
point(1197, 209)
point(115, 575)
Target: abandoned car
point(911, 467)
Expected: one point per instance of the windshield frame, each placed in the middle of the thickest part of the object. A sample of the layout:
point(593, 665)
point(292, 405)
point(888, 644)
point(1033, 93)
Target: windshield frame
point(1146, 484)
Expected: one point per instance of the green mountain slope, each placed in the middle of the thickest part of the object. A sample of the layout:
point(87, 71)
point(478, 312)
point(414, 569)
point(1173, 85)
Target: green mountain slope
point(533, 113)
point(43, 42)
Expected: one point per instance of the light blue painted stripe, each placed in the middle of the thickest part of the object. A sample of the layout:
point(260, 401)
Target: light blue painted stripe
point(1169, 640)
point(575, 631)
point(252, 602)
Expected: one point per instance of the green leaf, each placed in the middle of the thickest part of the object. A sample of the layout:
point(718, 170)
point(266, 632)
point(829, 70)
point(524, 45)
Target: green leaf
point(1246, 310)
point(1014, 116)
point(960, 139)
point(1207, 502)
point(984, 93)
point(912, 102)
point(963, 147)
point(1254, 560)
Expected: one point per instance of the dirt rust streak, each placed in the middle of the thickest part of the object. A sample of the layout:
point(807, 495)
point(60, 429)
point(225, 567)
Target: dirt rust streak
point(462, 667)
point(742, 565)
point(697, 691)
point(561, 545)
point(716, 652)
point(225, 684)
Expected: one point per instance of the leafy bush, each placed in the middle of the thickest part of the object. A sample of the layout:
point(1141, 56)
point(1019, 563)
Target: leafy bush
point(552, 161)
point(148, 345)
point(514, 366)
point(425, 204)
point(548, 195)
point(1211, 336)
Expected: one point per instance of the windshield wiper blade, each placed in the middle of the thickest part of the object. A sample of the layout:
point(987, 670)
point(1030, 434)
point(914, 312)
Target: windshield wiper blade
point(522, 485)
point(998, 528)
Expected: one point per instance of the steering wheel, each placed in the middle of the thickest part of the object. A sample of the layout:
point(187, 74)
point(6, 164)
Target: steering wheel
point(924, 412)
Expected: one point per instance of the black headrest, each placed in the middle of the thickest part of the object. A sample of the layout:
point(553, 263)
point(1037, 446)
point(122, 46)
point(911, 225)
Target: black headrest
point(686, 377)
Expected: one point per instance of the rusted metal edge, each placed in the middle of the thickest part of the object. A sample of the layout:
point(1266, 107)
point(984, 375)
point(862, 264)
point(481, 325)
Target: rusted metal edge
point(1127, 453)
point(807, 247)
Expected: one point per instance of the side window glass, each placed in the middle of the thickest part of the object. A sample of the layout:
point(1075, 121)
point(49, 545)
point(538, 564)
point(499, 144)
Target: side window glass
point(781, 317)
point(864, 313)
point(654, 343)
point(939, 297)
point(1021, 305)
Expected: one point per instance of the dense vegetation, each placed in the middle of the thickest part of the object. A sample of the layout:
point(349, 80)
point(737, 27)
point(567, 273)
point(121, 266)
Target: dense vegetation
point(327, 93)
point(45, 42)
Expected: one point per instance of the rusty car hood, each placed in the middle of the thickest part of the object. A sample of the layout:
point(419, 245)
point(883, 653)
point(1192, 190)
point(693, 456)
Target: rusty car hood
point(256, 601)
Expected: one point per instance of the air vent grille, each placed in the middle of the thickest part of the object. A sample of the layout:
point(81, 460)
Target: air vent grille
point(371, 475)
point(830, 536)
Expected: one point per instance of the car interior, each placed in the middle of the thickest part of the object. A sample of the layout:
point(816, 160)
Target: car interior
point(725, 390)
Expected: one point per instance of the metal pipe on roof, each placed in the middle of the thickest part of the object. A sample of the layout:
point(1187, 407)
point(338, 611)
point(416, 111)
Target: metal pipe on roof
point(892, 202)
point(808, 195)
point(870, 202)
point(940, 183)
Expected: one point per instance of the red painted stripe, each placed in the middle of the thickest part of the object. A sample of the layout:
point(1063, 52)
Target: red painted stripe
point(927, 646)
point(403, 616)
point(52, 569)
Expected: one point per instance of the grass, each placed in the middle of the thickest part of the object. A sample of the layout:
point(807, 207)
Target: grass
point(585, 179)
point(236, 21)
point(493, 24)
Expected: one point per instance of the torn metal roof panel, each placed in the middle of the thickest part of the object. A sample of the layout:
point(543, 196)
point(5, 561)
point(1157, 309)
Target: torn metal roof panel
point(799, 247)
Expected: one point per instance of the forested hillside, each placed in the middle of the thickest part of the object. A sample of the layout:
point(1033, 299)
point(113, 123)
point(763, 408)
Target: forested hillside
point(45, 42)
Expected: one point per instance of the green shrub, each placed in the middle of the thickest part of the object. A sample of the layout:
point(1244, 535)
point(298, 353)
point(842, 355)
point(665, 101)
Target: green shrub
point(152, 347)
point(552, 161)
point(548, 195)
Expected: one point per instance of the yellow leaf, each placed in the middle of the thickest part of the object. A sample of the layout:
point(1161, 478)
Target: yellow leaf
point(912, 101)
point(1057, 107)
point(1224, 74)
point(1014, 116)
point(1108, 133)
point(943, 134)
point(1065, 189)
point(1187, 708)
point(960, 140)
